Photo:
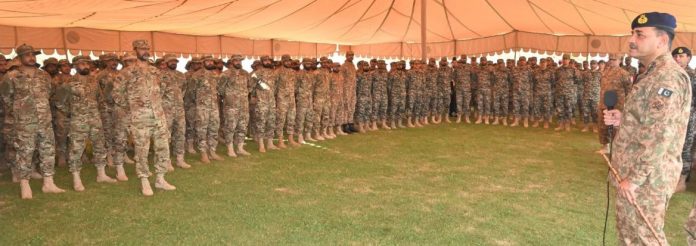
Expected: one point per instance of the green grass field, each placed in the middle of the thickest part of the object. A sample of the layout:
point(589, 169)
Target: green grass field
point(447, 184)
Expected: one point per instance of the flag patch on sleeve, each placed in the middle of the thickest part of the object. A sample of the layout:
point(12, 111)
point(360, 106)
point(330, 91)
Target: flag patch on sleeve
point(664, 92)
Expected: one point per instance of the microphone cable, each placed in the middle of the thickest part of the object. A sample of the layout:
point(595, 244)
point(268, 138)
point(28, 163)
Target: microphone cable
point(610, 130)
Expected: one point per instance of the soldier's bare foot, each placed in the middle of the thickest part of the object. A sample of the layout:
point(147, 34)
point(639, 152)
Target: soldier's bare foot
point(121, 173)
point(25, 189)
point(50, 187)
point(145, 187)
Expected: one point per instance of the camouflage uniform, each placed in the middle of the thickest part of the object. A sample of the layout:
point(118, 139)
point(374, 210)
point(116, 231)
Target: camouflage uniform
point(190, 103)
point(414, 82)
point(431, 91)
point(590, 96)
point(688, 150)
point(25, 92)
point(262, 86)
point(61, 118)
point(543, 93)
point(349, 74)
point(397, 94)
point(336, 93)
point(462, 88)
point(285, 101)
point(172, 85)
point(207, 109)
point(105, 80)
point(484, 84)
point(320, 101)
point(363, 109)
point(303, 97)
point(235, 93)
point(566, 78)
point(522, 86)
point(141, 91)
point(444, 89)
point(83, 97)
point(380, 96)
point(613, 79)
point(501, 86)
point(647, 149)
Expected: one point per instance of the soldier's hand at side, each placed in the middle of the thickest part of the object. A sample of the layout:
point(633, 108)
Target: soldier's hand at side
point(627, 190)
point(612, 117)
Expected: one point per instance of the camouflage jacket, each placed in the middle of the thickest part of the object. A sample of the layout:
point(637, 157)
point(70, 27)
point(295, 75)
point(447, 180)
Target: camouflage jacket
point(141, 92)
point(25, 95)
point(614, 79)
point(234, 88)
point(173, 89)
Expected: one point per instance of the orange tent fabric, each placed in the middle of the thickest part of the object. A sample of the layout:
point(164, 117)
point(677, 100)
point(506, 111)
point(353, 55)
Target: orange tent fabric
point(381, 28)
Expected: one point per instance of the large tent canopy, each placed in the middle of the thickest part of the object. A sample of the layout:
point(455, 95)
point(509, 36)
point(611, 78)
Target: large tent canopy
point(373, 28)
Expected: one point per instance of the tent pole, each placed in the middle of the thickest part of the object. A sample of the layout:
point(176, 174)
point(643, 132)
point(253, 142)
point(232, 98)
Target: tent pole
point(424, 51)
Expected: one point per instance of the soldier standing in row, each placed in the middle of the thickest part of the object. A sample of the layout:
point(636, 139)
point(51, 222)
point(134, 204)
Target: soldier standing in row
point(173, 85)
point(235, 97)
point(682, 56)
point(285, 103)
point(444, 88)
point(148, 123)
point(590, 97)
point(380, 96)
point(501, 86)
point(566, 77)
point(207, 109)
point(614, 78)
point(262, 86)
point(543, 93)
point(25, 91)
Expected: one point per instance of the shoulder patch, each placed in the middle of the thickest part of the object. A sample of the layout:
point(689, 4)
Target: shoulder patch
point(664, 92)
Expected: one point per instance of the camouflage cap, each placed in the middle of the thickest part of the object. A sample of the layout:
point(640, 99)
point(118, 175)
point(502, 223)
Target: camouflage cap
point(614, 56)
point(141, 43)
point(285, 57)
point(196, 60)
point(62, 62)
point(593, 62)
point(307, 59)
point(533, 58)
point(323, 58)
point(170, 57)
point(108, 57)
point(26, 49)
point(500, 61)
point(236, 57)
point(207, 58)
point(49, 61)
point(79, 59)
point(443, 59)
point(265, 57)
point(522, 58)
point(566, 56)
point(381, 62)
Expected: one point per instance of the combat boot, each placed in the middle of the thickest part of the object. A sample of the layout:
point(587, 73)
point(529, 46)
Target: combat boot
point(215, 156)
point(49, 186)
point(300, 139)
point(384, 125)
point(515, 123)
point(127, 159)
point(585, 128)
point(401, 123)
point(479, 119)
point(561, 125)
point(102, 177)
point(241, 151)
point(526, 122)
point(189, 147)
point(121, 173)
point(281, 142)
point(505, 123)
point(409, 122)
point(495, 122)
point(466, 118)
point(25, 189)
point(77, 182)
point(536, 124)
point(145, 187)
point(204, 157)
point(485, 120)
point(567, 127)
point(308, 137)
point(447, 119)
point(230, 150)
point(270, 144)
point(546, 125)
point(262, 147)
point(291, 140)
point(161, 183)
point(459, 119)
point(318, 136)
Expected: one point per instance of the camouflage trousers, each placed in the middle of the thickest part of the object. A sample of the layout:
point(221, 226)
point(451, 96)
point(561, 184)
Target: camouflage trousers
point(60, 124)
point(80, 132)
point(8, 151)
point(120, 139)
point(363, 110)
point(379, 106)
point(445, 100)
point(190, 115)
point(321, 114)
point(176, 124)
point(207, 126)
point(30, 138)
point(630, 226)
point(285, 115)
point(303, 116)
point(423, 105)
point(564, 106)
point(398, 108)
point(521, 103)
point(543, 106)
point(264, 120)
point(144, 134)
point(236, 125)
point(107, 121)
point(463, 98)
point(434, 101)
point(335, 111)
point(589, 113)
point(410, 108)
point(483, 101)
point(500, 102)
point(351, 103)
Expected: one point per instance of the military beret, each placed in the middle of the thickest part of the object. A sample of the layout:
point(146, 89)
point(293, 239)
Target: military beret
point(141, 43)
point(206, 58)
point(26, 49)
point(375, 60)
point(50, 60)
point(681, 50)
point(655, 19)
point(79, 59)
point(170, 57)
point(566, 56)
